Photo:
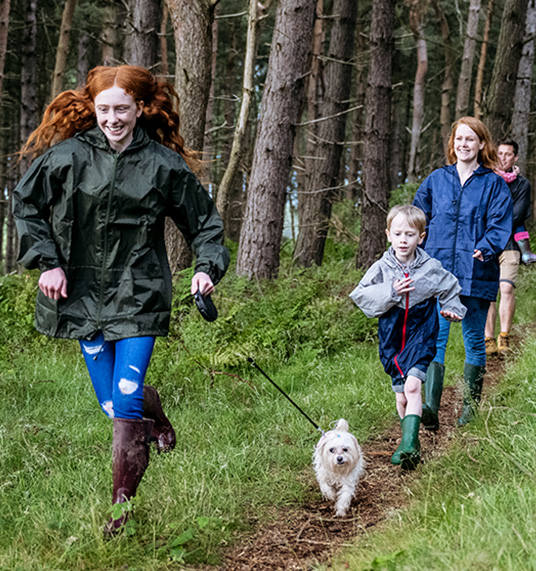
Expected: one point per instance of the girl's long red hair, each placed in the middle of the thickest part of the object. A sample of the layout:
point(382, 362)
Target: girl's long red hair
point(73, 111)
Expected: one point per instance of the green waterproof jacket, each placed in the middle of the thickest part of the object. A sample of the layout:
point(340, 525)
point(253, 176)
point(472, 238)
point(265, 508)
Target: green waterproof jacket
point(99, 215)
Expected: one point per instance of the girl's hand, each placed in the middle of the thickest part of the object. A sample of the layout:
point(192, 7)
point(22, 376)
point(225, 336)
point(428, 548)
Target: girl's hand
point(478, 255)
point(403, 286)
point(53, 283)
point(203, 283)
point(450, 316)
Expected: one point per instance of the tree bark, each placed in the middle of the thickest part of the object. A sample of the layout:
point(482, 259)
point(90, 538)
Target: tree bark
point(260, 238)
point(82, 67)
point(504, 75)
point(192, 27)
point(141, 35)
point(522, 97)
point(63, 47)
point(230, 175)
point(448, 77)
point(109, 35)
point(416, 17)
point(28, 94)
point(324, 177)
point(4, 28)
point(466, 71)
point(376, 169)
point(482, 62)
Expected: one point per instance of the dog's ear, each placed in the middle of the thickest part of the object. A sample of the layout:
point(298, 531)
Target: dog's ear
point(342, 425)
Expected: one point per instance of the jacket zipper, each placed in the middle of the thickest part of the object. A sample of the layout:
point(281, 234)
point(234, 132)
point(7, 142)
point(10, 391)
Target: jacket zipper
point(458, 219)
point(404, 326)
point(105, 241)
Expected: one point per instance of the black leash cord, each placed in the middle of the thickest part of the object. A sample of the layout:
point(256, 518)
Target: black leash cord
point(285, 394)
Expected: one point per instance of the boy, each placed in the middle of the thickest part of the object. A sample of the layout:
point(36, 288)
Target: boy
point(400, 289)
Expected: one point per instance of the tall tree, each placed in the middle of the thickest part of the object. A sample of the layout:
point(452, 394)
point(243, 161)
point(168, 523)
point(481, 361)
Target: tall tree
point(192, 28)
point(448, 76)
point(260, 239)
point(417, 11)
point(466, 71)
point(63, 47)
point(509, 48)
point(479, 84)
point(141, 37)
point(376, 169)
point(229, 177)
point(522, 97)
point(323, 178)
point(4, 27)
point(28, 92)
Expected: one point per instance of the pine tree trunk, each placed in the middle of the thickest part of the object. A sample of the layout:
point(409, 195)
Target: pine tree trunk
point(466, 71)
point(416, 16)
point(141, 34)
point(229, 179)
point(377, 129)
point(260, 239)
point(192, 27)
point(319, 196)
point(82, 67)
point(448, 77)
point(63, 47)
point(28, 95)
point(109, 34)
point(499, 109)
point(482, 62)
point(522, 97)
point(4, 28)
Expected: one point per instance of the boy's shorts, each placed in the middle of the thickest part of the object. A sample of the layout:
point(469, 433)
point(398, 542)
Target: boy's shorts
point(509, 262)
point(398, 382)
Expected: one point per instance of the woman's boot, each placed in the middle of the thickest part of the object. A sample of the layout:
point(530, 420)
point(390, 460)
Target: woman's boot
point(433, 389)
point(130, 460)
point(409, 450)
point(163, 434)
point(474, 378)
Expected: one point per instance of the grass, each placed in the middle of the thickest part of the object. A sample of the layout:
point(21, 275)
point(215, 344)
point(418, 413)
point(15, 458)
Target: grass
point(242, 448)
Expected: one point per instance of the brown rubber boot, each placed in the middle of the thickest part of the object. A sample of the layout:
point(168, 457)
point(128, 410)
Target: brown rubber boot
point(130, 460)
point(163, 434)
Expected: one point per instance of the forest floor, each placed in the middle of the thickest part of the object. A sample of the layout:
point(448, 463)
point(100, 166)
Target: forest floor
point(299, 538)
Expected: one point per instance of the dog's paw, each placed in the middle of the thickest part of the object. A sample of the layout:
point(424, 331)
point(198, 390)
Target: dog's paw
point(340, 512)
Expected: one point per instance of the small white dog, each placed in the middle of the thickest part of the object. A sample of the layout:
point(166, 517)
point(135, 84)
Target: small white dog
point(339, 464)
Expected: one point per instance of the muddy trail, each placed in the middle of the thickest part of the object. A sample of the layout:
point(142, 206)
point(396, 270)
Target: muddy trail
point(298, 538)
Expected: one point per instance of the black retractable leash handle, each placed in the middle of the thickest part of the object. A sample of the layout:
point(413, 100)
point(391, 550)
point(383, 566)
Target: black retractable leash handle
point(285, 395)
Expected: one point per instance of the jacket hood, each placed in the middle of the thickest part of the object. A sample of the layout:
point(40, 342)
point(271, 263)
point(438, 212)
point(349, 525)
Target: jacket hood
point(97, 138)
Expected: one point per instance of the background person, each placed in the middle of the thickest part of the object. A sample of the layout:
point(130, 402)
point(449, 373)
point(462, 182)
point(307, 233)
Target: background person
point(90, 215)
point(469, 213)
point(510, 258)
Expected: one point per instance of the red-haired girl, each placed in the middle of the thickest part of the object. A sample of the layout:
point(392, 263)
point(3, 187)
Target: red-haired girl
point(90, 214)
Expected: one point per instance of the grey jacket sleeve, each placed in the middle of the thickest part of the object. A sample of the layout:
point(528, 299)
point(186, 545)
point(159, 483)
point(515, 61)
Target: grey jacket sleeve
point(373, 295)
point(448, 292)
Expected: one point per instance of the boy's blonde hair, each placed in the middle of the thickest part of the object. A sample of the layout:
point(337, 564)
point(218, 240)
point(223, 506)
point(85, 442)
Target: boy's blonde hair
point(415, 216)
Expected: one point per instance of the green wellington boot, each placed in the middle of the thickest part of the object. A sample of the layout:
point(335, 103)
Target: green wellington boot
point(433, 389)
point(409, 450)
point(395, 458)
point(474, 378)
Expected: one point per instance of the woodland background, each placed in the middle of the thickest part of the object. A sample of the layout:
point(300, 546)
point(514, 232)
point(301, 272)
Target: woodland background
point(310, 111)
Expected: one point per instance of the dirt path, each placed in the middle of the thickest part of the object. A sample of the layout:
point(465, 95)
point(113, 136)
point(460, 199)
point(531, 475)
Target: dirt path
point(297, 538)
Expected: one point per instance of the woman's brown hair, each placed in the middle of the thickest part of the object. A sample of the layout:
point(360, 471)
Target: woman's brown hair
point(73, 111)
point(486, 156)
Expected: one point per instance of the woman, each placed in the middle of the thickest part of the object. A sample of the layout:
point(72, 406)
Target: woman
point(90, 215)
point(469, 213)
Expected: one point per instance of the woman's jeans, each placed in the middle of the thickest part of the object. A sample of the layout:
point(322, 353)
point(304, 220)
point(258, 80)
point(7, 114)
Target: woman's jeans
point(473, 330)
point(117, 370)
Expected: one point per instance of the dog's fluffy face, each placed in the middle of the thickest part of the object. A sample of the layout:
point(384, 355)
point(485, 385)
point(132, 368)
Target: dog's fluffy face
point(338, 464)
point(338, 450)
